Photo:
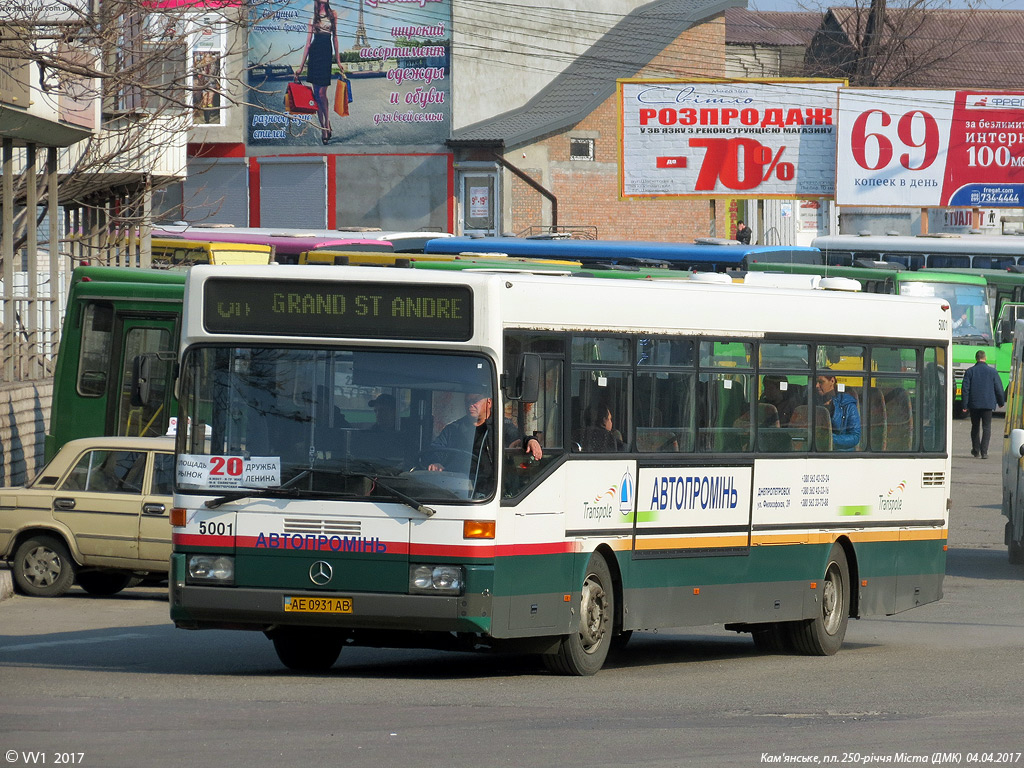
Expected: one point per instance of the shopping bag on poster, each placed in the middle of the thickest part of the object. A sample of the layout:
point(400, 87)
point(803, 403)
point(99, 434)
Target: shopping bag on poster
point(341, 99)
point(298, 98)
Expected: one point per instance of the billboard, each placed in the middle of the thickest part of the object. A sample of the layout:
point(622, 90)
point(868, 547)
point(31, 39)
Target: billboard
point(930, 148)
point(395, 55)
point(755, 138)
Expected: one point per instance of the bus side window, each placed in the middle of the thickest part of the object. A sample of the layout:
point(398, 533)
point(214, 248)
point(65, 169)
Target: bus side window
point(97, 343)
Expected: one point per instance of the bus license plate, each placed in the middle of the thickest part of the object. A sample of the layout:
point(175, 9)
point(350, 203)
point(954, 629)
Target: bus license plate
point(318, 605)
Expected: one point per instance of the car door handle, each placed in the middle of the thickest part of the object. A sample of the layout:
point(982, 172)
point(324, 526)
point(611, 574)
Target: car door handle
point(153, 509)
point(64, 503)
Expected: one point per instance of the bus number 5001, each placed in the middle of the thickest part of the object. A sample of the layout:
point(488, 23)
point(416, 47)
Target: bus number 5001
point(214, 529)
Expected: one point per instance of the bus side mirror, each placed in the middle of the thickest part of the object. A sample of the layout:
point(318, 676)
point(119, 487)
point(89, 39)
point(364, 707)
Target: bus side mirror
point(1017, 442)
point(141, 371)
point(523, 383)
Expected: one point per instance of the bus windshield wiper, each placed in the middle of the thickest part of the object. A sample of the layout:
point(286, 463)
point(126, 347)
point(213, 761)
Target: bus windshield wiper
point(256, 493)
point(398, 495)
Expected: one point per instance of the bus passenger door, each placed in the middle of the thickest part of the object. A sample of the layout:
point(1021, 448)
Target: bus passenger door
point(154, 336)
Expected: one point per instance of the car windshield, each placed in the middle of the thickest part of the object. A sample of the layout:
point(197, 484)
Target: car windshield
point(336, 423)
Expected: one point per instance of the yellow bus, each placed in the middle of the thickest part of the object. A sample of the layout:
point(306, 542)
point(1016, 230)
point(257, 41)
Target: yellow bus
point(171, 252)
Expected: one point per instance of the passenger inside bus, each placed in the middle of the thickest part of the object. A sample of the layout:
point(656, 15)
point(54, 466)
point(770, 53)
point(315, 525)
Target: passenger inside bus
point(598, 434)
point(777, 391)
point(843, 412)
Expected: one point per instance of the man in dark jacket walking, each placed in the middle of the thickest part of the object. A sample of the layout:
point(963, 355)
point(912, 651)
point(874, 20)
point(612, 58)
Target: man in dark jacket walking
point(981, 393)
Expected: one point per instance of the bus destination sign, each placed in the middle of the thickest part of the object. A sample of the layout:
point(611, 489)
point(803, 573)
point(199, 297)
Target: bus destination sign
point(333, 308)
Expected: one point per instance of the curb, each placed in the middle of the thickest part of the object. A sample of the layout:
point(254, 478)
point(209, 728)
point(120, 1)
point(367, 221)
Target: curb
point(6, 585)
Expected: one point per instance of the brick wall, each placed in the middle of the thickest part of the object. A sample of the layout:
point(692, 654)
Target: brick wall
point(588, 190)
point(24, 416)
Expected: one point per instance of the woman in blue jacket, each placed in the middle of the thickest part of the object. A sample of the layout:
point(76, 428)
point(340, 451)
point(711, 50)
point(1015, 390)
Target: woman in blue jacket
point(842, 408)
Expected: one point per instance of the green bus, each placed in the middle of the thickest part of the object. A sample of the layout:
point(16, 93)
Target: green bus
point(967, 295)
point(121, 326)
point(115, 318)
point(1006, 303)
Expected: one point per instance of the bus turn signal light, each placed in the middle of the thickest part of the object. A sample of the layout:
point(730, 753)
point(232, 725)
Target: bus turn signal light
point(178, 517)
point(478, 529)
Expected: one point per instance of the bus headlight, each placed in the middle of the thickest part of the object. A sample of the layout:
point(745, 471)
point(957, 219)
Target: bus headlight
point(208, 569)
point(436, 579)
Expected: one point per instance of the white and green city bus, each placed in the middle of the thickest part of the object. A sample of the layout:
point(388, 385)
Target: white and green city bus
point(688, 476)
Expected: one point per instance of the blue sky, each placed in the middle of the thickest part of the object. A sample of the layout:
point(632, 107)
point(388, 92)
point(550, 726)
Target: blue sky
point(812, 5)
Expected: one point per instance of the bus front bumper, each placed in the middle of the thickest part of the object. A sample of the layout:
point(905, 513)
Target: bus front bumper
point(212, 607)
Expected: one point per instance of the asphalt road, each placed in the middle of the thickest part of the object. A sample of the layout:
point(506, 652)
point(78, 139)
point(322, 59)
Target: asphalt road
point(109, 682)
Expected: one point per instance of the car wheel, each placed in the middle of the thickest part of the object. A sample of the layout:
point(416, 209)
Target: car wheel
point(103, 583)
point(43, 567)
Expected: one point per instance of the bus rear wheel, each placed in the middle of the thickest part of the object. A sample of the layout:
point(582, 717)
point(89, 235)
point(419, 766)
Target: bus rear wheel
point(584, 652)
point(307, 649)
point(824, 634)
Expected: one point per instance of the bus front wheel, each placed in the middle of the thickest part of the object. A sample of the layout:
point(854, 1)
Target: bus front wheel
point(307, 649)
point(583, 652)
point(823, 635)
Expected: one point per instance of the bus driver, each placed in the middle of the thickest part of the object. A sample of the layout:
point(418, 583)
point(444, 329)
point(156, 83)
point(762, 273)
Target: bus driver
point(470, 436)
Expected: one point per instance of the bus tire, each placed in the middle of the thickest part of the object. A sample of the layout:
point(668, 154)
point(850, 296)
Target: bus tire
point(103, 583)
point(772, 638)
point(307, 649)
point(43, 567)
point(1014, 547)
point(823, 635)
point(583, 652)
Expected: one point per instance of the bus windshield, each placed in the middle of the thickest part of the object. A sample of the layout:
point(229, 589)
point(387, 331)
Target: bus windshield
point(337, 423)
point(968, 304)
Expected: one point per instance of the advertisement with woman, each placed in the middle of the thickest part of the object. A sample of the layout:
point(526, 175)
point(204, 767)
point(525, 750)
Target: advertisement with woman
point(337, 73)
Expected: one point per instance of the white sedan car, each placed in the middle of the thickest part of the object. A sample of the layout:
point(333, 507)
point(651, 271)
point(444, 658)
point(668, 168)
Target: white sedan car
point(96, 514)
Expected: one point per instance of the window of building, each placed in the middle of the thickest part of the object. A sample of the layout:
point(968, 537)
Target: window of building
point(581, 149)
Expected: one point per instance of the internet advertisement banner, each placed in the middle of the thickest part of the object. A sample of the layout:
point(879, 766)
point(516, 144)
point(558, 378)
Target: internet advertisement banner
point(930, 148)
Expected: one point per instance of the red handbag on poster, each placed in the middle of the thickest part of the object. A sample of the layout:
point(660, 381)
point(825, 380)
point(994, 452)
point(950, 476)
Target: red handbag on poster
point(298, 98)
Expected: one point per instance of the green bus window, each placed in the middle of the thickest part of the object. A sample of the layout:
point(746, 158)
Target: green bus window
point(94, 357)
point(789, 356)
point(893, 360)
point(726, 354)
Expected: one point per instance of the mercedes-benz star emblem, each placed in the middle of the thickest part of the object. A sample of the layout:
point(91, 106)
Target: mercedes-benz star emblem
point(320, 573)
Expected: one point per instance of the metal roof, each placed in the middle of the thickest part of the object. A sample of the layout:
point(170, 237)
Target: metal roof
point(773, 28)
point(938, 48)
point(623, 51)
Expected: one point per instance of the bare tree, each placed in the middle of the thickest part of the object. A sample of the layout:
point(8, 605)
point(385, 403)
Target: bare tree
point(130, 68)
point(920, 43)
